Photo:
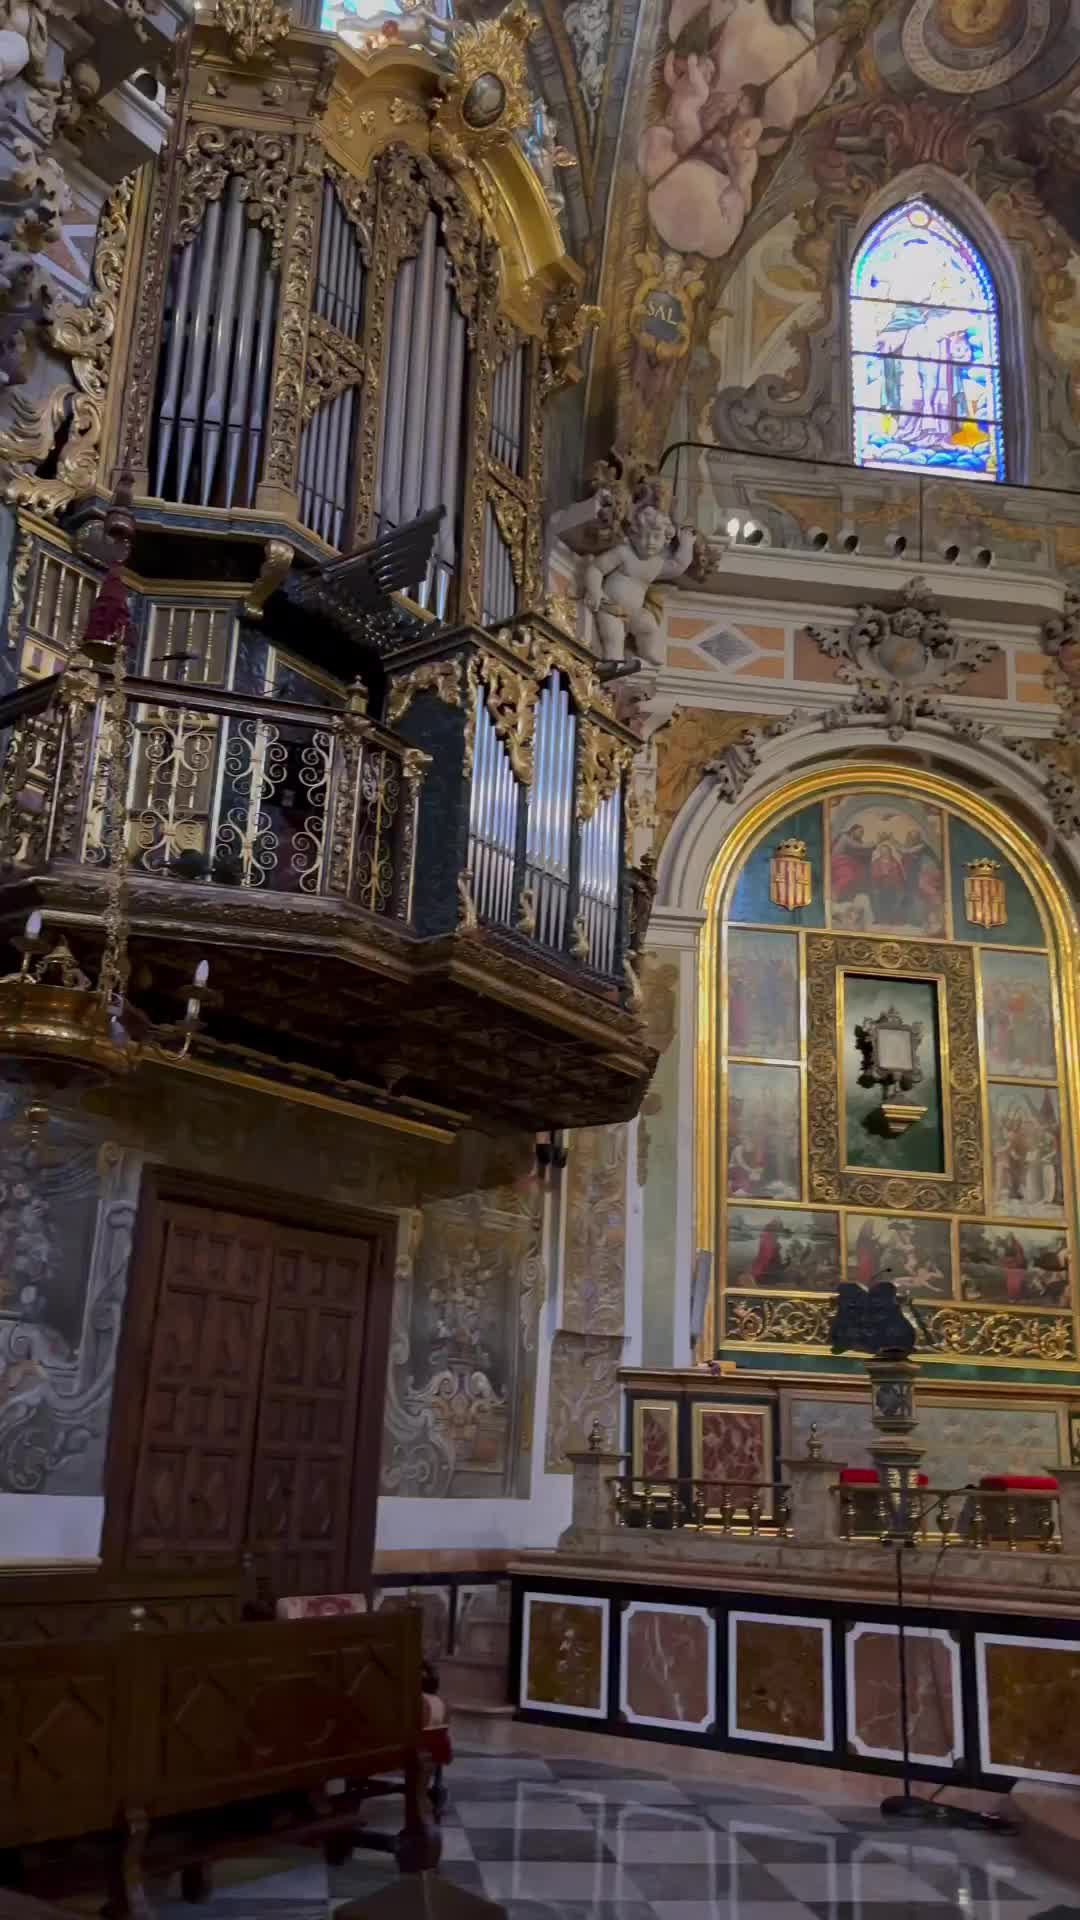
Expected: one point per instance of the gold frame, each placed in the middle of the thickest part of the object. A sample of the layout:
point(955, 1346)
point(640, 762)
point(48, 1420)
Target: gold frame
point(1060, 922)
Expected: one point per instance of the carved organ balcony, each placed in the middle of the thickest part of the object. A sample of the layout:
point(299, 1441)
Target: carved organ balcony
point(395, 825)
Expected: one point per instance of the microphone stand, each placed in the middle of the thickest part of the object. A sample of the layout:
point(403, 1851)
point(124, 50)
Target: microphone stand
point(908, 1805)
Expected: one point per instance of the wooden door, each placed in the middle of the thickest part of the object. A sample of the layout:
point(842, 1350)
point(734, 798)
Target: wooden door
point(250, 1387)
point(309, 1404)
point(201, 1369)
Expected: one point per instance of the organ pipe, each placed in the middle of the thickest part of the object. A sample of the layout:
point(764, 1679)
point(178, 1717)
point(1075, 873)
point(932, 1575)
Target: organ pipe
point(493, 814)
point(421, 455)
point(215, 369)
point(327, 439)
point(507, 435)
point(550, 821)
point(599, 870)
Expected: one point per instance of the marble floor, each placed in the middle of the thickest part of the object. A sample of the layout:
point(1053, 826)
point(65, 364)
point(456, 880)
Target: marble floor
point(570, 1840)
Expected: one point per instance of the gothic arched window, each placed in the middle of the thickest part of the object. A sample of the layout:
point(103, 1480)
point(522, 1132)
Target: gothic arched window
point(925, 359)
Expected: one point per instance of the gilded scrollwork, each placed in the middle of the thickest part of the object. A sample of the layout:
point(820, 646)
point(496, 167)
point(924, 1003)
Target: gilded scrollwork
point(603, 762)
point(440, 677)
point(254, 28)
point(85, 334)
point(286, 406)
point(262, 161)
point(510, 518)
point(510, 698)
point(357, 201)
point(143, 346)
point(962, 1190)
point(334, 363)
point(780, 1321)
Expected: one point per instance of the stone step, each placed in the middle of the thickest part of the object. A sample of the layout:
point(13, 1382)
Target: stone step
point(473, 1678)
point(1048, 1827)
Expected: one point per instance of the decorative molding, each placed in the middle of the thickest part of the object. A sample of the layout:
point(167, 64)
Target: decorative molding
point(901, 660)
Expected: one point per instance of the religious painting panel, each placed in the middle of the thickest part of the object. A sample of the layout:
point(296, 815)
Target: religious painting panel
point(890, 1059)
point(872, 1675)
point(1021, 924)
point(911, 1252)
point(732, 1445)
point(564, 1654)
point(1018, 1018)
point(667, 1669)
point(779, 1680)
point(751, 900)
point(1027, 1178)
point(866, 1147)
point(1029, 1707)
point(764, 1133)
point(763, 995)
point(778, 1247)
point(886, 866)
point(1015, 1264)
point(655, 1440)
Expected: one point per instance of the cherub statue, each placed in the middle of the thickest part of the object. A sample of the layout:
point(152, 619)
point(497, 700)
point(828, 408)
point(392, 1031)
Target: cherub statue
point(616, 583)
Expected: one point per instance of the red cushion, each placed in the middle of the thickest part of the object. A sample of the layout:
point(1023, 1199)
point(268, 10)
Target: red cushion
point(868, 1477)
point(1019, 1483)
point(436, 1744)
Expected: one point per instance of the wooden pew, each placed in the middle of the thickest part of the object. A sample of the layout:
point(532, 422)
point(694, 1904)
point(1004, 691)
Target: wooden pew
point(130, 1757)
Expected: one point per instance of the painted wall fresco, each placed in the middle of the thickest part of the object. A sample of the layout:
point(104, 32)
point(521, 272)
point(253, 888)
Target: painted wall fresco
point(463, 1349)
point(67, 1234)
point(588, 1346)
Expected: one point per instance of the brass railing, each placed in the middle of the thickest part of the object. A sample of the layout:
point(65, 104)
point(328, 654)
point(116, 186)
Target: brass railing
point(1013, 1520)
point(745, 1508)
point(220, 789)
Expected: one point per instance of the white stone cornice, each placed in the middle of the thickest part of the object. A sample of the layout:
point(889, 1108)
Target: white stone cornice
point(674, 927)
point(728, 693)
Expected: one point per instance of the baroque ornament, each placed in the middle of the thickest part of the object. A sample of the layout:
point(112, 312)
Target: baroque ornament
point(254, 28)
point(901, 660)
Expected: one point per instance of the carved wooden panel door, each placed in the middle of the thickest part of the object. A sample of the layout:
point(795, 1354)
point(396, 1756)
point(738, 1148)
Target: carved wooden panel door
point(309, 1402)
point(250, 1387)
point(201, 1376)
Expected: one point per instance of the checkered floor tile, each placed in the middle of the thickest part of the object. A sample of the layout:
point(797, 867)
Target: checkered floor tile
point(571, 1840)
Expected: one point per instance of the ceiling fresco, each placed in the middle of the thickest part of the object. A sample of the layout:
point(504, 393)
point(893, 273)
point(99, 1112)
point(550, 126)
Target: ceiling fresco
point(730, 154)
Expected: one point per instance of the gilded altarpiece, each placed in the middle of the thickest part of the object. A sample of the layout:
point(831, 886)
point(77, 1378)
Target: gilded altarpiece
point(890, 1095)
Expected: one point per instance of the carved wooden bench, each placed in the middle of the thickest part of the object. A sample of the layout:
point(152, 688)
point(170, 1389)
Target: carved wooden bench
point(126, 1758)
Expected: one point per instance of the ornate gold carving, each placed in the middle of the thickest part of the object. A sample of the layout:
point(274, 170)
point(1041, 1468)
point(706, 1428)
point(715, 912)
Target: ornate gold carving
point(85, 334)
point(408, 113)
point(527, 916)
point(334, 362)
point(566, 323)
point(277, 559)
point(254, 28)
point(561, 610)
point(143, 350)
point(283, 437)
point(357, 200)
point(510, 518)
point(487, 98)
point(262, 162)
point(440, 677)
point(603, 761)
point(510, 698)
point(777, 1321)
point(20, 573)
point(962, 1192)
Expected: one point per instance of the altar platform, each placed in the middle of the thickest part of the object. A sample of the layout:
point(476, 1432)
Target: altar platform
point(761, 1617)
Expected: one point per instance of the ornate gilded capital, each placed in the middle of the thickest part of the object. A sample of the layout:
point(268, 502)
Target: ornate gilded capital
point(254, 28)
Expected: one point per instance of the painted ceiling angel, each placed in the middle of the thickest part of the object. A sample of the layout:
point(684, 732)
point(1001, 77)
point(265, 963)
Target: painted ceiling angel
point(761, 72)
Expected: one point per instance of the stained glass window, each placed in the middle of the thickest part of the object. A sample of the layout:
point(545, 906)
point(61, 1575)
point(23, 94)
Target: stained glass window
point(925, 361)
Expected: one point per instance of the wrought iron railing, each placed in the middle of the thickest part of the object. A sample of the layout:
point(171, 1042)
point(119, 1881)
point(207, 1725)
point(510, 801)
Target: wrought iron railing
point(984, 1519)
point(220, 789)
point(736, 1508)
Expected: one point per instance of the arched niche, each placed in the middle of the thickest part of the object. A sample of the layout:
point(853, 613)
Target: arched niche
point(798, 1181)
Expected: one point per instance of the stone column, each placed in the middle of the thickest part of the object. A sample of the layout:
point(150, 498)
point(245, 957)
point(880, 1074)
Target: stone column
point(815, 1514)
point(592, 1509)
point(1068, 1479)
